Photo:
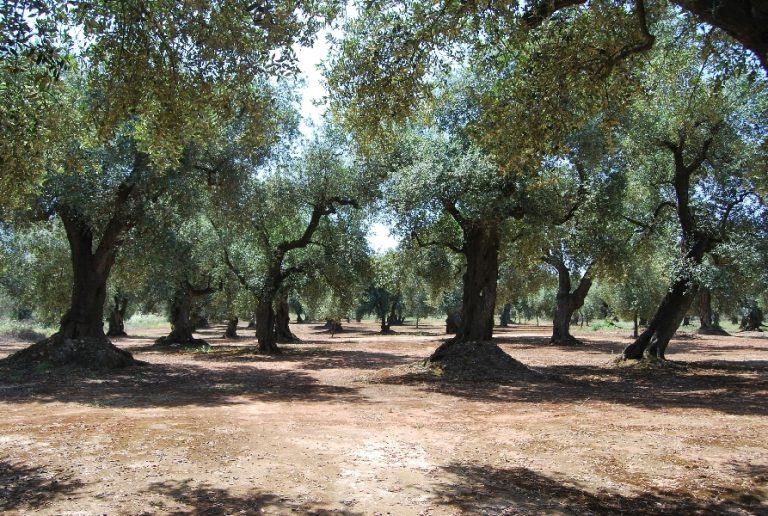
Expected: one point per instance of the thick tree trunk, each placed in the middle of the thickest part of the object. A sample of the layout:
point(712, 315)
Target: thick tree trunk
point(231, 331)
point(478, 304)
point(265, 328)
point(283, 331)
point(708, 324)
point(117, 317)
point(81, 339)
point(182, 326)
point(634, 331)
point(453, 323)
point(567, 303)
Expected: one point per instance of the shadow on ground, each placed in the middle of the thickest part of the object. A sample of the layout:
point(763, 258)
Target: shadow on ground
point(739, 388)
point(210, 500)
point(480, 489)
point(163, 385)
point(30, 488)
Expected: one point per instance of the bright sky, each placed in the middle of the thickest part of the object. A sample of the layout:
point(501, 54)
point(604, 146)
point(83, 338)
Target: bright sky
point(379, 237)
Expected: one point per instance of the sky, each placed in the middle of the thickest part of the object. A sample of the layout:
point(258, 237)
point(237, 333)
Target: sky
point(379, 237)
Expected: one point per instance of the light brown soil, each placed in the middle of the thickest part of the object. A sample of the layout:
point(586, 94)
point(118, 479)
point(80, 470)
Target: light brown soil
point(322, 429)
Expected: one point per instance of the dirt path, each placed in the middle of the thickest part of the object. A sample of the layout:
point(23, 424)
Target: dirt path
point(225, 432)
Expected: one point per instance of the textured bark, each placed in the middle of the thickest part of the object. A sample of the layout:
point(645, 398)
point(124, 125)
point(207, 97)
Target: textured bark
point(231, 331)
point(567, 302)
point(506, 315)
point(182, 327)
point(708, 324)
point(117, 317)
point(283, 331)
point(479, 296)
point(265, 328)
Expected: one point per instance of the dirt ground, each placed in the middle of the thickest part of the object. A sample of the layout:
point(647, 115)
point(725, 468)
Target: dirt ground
point(320, 430)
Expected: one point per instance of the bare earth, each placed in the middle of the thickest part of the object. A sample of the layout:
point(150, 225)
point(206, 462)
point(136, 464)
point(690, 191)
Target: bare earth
point(323, 430)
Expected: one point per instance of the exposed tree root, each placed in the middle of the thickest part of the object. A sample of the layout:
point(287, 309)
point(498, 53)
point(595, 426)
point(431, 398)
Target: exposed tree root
point(91, 353)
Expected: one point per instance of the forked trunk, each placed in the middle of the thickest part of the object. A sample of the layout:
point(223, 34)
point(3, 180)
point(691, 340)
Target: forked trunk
point(567, 304)
point(81, 339)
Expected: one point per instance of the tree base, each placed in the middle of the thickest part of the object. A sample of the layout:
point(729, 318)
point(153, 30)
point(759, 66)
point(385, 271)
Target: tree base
point(91, 353)
point(714, 330)
point(570, 341)
point(477, 361)
point(170, 342)
point(649, 363)
point(117, 334)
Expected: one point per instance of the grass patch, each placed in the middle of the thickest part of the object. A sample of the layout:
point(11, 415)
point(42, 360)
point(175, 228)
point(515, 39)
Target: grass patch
point(29, 331)
point(140, 320)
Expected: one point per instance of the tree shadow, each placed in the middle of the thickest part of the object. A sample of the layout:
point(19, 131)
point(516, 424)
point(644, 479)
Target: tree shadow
point(738, 389)
point(310, 358)
point(27, 487)
point(474, 488)
point(208, 500)
point(162, 385)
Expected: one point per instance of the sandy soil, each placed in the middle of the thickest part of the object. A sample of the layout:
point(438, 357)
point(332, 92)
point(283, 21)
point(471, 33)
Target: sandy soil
point(310, 432)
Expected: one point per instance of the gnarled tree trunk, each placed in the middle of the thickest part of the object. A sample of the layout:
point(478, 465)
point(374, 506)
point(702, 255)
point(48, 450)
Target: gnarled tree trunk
point(653, 342)
point(478, 304)
point(283, 331)
point(231, 331)
point(182, 326)
point(81, 339)
point(265, 328)
point(707, 321)
point(117, 317)
point(567, 302)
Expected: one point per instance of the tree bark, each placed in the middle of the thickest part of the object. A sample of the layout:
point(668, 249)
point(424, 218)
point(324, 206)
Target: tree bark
point(478, 303)
point(265, 328)
point(506, 315)
point(117, 317)
point(708, 324)
point(182, 326)
point(231, 331)
point(567, 302)
point(283, 331)
point(653, 342)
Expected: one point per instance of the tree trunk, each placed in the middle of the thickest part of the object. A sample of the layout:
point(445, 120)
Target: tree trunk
point(567, 303)
point(634, 332)
point(265, 328)
point(506, 315)
point(117, 317)
point(81, 339)
point(282, 323)
point(478, 304)
point(653, 342)
point(453, 323)
point(708, 324)
point(182, 325)
point(231, 331)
